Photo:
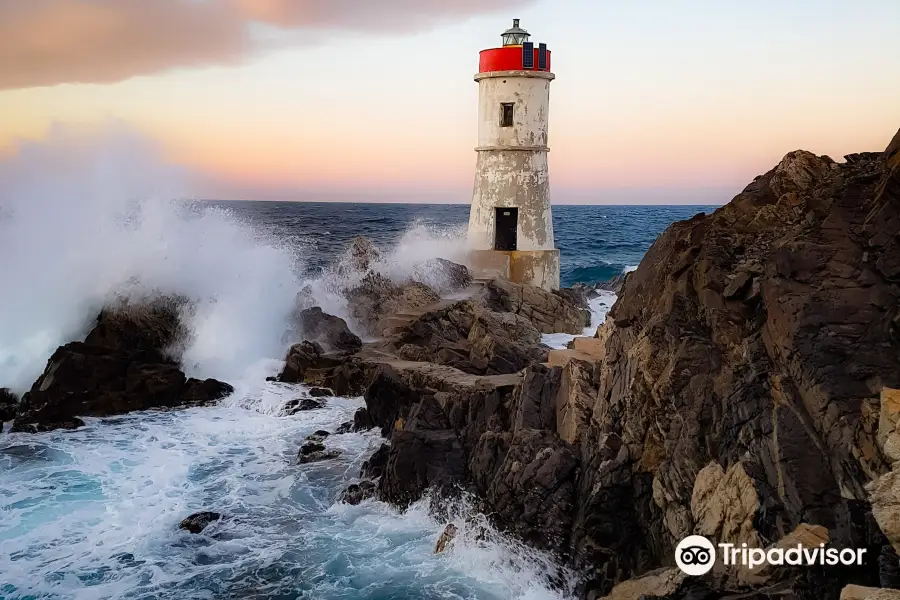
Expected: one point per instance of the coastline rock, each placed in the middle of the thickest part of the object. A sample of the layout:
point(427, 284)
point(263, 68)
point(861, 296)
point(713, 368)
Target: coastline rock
point(9, 403)
point(89, 380)
point(293, 407)
point(314, 452)
point(442, 275)
point(472, 339)
point(445, 539)
point(374, 467)
point(197, 522)
point(734, 393)
point(318, 436)
point(318, 392)
point(345, 427)
point(330, 332)
point(362, 420)
point(358, 492)
point(377, 297)
point(300, 358)
point(548, 312)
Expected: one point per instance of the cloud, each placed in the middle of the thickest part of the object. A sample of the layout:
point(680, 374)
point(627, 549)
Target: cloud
point(47, 42)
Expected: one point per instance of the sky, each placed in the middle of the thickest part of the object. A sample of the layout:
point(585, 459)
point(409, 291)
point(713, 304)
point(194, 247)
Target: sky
point(655, 101)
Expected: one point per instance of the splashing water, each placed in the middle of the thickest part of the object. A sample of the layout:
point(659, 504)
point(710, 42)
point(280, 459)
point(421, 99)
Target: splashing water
point(93, 513)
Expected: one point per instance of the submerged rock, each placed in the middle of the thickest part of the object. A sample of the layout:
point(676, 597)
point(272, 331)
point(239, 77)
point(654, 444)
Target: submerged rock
point(318, 392)
point(318, 436)
point(315, 452)
point(301, 405)
point(197, 522)
point(345, 427)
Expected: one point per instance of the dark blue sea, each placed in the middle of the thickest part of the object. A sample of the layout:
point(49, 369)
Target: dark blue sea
point(596, 243)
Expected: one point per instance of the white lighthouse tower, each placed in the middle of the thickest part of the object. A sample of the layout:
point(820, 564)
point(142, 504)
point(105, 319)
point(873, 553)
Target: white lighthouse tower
point(510, 224)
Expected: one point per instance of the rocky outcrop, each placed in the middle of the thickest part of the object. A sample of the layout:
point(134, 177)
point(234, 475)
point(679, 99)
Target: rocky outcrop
point(548, 312)
point(9, 403)
point(472, 339)
point(377, 297)
point(330, 332)
point(734, 393)
point(314, 452)
point(123, 365)
point(197, 522)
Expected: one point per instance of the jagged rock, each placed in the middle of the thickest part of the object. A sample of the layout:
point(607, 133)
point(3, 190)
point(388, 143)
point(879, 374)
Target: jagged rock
point(425, 452)
point(317, 392)
point(362, 421)
point(301, 405)
point(724, 505)
point(9, 403)
point(361, 253)
point(83, 379)
point(442, 275)
point(318, 436)
point(300, 358)
point(655, 584)
point(314, 452)
point(548, 312)
point(377, 297)
point(374, 467)
point(197, 522)
point(330, 332)
point(858, 592)
point(345, 427)
point(528, 480)
point(357, 492)
point(151, 332)
point(472, 339)
point(205, 392)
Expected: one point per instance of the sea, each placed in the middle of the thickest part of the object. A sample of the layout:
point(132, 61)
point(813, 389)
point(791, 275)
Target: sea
point(93, 513)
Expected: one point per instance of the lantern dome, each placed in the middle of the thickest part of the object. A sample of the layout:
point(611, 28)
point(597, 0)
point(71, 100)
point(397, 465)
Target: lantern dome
point(515, 35)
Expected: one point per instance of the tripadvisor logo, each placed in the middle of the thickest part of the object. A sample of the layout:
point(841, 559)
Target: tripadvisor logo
point(696, 555)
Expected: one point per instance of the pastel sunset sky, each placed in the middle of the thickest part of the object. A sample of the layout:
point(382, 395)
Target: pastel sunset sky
point(655, 101)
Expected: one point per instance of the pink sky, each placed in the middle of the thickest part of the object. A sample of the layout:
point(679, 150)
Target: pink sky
point(681, 101)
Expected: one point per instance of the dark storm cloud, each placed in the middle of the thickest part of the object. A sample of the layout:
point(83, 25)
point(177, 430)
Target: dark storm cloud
point(46, 42)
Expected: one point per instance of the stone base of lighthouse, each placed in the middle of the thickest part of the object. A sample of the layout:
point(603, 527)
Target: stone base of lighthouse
point(539, 268)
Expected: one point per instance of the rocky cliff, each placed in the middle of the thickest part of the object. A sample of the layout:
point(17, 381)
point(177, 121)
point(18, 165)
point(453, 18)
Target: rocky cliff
point(734, 392)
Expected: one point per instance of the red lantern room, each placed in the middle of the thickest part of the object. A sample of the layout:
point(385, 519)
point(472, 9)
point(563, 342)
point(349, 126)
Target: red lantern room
point(516, 54)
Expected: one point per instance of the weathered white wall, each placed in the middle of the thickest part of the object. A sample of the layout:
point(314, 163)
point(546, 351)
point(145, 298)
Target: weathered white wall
point(511, 169)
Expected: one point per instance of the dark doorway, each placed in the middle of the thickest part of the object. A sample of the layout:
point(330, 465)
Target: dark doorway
point(506, 114)
point(505, 222)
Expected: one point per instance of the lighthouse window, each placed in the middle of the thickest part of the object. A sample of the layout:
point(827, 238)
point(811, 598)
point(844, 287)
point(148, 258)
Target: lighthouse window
point(506, 114)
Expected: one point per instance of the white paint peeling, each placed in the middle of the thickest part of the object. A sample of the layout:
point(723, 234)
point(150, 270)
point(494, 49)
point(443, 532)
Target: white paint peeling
point(512, 169)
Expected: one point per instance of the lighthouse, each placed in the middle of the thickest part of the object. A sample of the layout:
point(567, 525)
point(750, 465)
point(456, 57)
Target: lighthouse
point(510, 224)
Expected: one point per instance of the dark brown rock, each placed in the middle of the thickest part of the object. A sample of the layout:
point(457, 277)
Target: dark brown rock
point(328, 331)
point(89, 380)
point(9, 403)
point(297, 405)
point(314, 452)
point(318, 436)
point(317, 392)
point(374, 467)
point(197, 522)
point(300, 358)
point(358, 492)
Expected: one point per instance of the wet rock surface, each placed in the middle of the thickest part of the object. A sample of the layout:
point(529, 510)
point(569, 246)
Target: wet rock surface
point(311, 452)
point(197, 522)
point(123, 365)
point(735, 393)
